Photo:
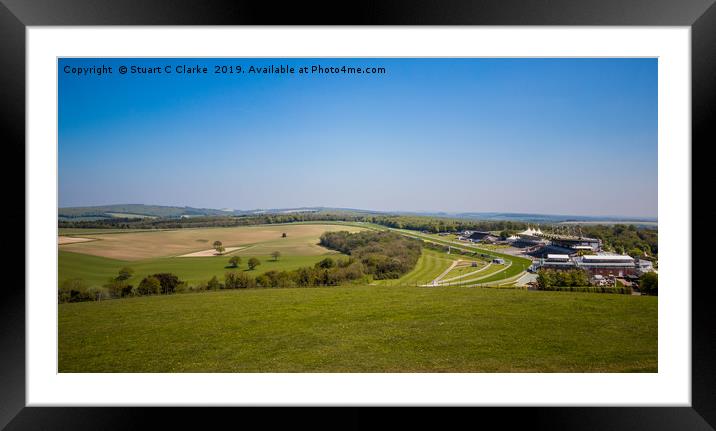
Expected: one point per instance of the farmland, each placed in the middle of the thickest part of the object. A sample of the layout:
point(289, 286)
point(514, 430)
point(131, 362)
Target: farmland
point(361, 329)
point(156, 251)
point(301, 239)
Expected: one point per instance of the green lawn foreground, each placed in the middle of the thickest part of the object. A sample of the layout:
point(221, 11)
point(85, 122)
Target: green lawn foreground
point(362, 329)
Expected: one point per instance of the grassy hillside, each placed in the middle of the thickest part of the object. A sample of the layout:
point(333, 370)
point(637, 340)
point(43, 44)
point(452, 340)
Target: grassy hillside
point(361, 329)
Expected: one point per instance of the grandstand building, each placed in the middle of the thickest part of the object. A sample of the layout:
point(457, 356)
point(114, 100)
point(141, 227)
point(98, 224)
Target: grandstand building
point(608, 264)
point(577, 243)
point(615, 265)
point(532, 235)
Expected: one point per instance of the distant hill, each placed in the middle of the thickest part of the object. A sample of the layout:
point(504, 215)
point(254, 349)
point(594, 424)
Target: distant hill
point(134, 211)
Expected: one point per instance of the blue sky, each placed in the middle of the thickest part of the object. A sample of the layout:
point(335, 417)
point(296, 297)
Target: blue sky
point(555, 136)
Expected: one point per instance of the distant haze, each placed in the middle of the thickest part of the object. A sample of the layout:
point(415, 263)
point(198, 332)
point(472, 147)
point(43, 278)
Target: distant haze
point(549, 136)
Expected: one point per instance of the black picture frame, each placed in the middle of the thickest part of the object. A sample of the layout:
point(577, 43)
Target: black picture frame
point(699, 15)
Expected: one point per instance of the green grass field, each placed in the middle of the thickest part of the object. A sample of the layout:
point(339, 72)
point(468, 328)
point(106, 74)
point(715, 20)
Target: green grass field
point(96, 270)
point(362, 329)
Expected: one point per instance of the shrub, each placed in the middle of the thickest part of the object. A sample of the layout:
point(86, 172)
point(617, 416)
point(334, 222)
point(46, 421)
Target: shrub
point(168, 282)
point(183, 287)
point(149, 286)
point(238, 280)
point(77, 290)
point(213, 284)
point(326, 263)
point(118, 288)
point(649, 283)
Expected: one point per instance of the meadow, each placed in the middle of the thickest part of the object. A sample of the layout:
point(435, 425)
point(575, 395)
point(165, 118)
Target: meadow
point(361, 329)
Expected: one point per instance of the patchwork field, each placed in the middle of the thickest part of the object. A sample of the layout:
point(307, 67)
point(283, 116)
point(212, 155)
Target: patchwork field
point(301, 239)
point(361, 329)
point(186, 253)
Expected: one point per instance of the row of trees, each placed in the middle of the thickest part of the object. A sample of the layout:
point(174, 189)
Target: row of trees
point(426, 223)
point(327, 272)
point(547, 278)
point(208, 221)
point(77, 290)
point(445, 224)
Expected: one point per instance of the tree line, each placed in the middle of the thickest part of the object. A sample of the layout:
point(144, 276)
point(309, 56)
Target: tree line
point(204, 221)
point(551, 279)
point(77, 290)
point(626, 239)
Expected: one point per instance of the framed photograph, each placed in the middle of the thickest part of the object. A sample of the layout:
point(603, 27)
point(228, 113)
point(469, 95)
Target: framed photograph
point(446, 205)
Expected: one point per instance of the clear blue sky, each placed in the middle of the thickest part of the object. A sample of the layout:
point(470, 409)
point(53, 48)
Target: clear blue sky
point(554, 136)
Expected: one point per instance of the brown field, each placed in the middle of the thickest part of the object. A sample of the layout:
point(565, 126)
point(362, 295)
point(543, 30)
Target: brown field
point(72, 239)
point(301, 239)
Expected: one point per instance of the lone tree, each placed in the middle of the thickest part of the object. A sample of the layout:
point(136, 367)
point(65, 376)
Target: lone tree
point(276, 255)
point(235, 261)
point(253, 263)
point(125, 273)
point(283, 235)
point(219, 247)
